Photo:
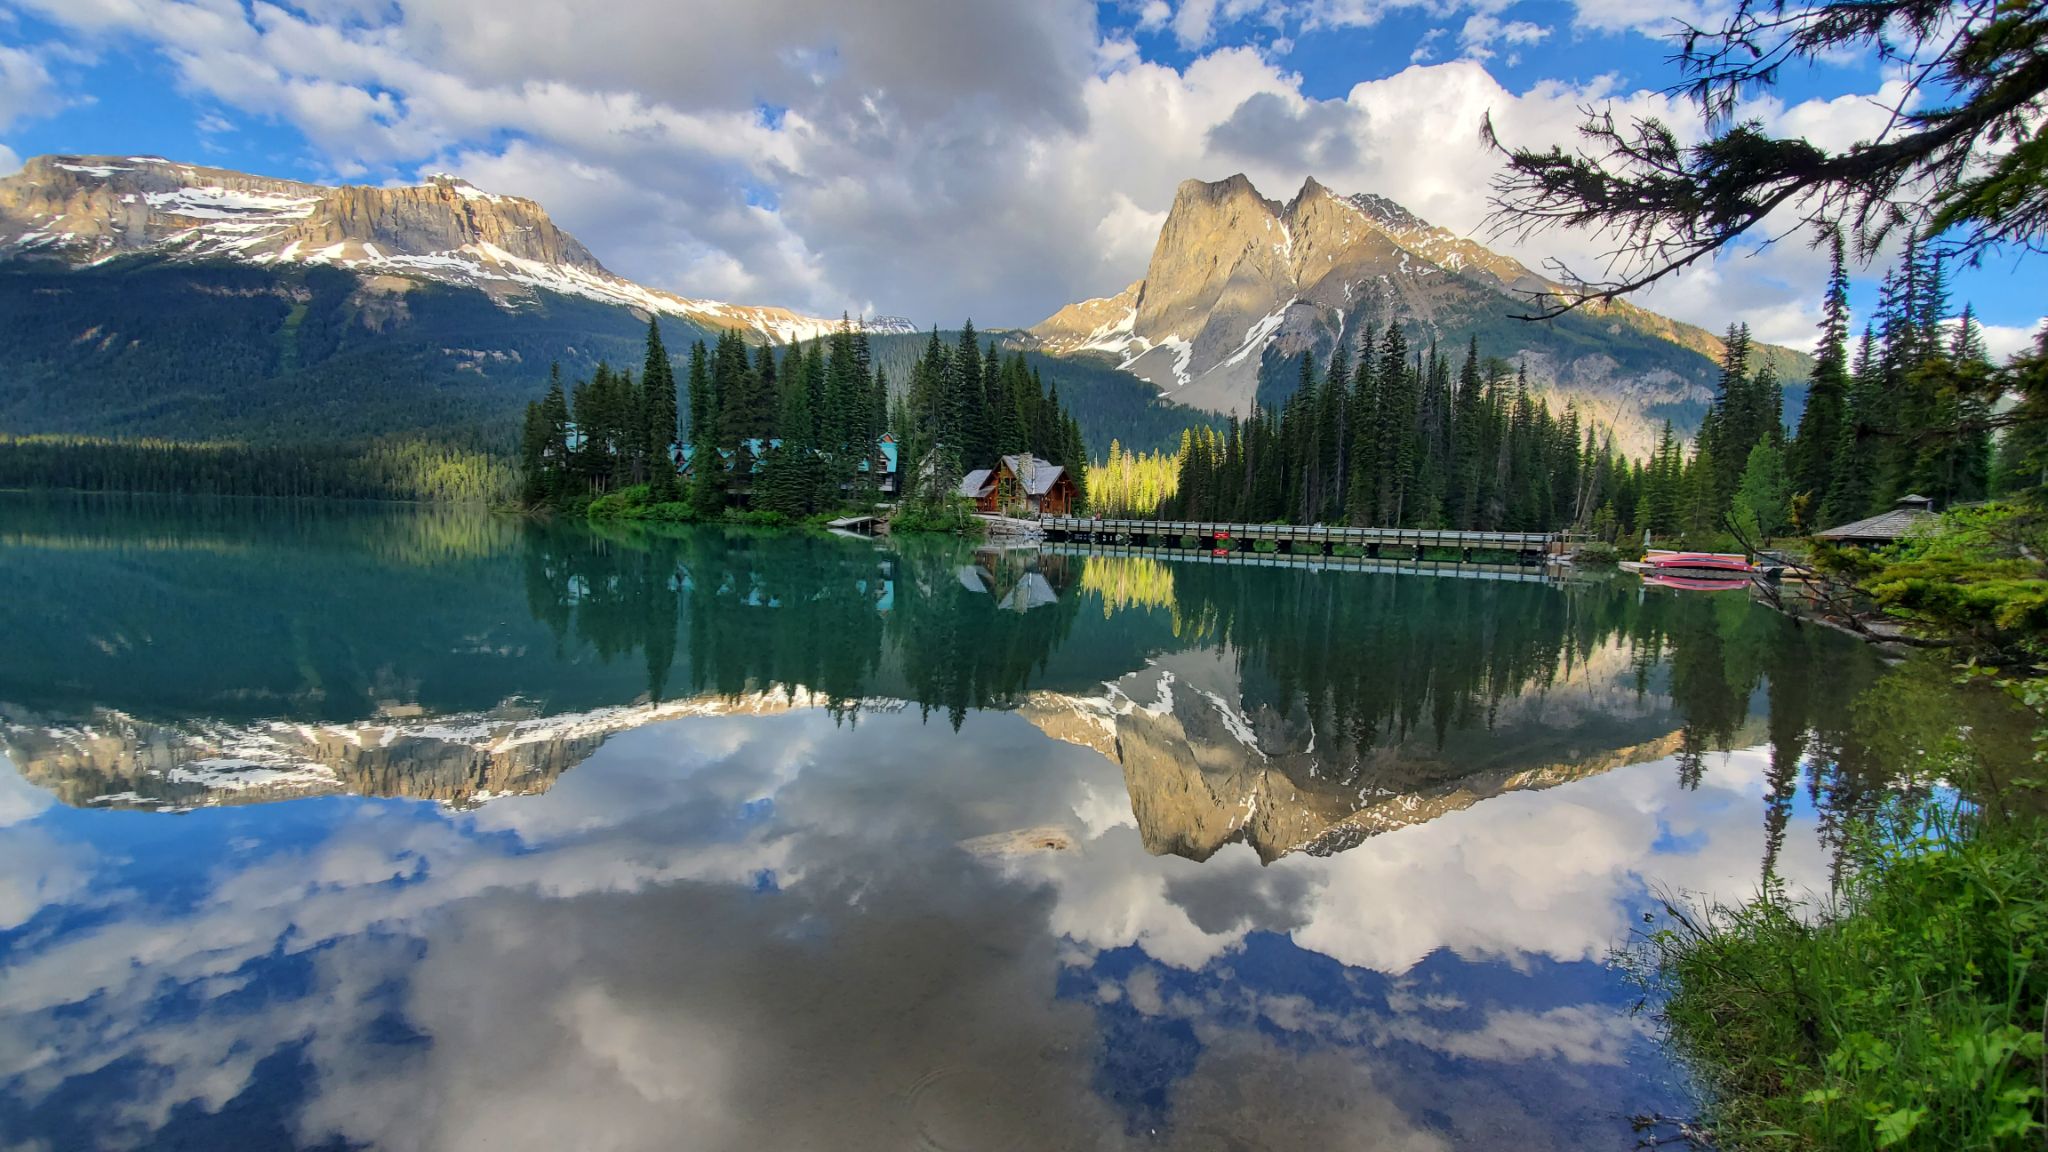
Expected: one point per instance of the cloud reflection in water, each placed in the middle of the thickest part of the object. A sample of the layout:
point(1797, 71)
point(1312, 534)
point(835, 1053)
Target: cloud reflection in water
point(760, 932)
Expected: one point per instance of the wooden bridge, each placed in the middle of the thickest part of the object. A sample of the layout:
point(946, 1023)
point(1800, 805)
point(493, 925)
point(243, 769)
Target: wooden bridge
point(1315, 538)
point(1308, 562)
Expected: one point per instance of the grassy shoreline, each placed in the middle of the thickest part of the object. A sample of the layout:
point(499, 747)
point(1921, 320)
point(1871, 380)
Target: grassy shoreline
point(1905, 1013)
point(1907, 1010)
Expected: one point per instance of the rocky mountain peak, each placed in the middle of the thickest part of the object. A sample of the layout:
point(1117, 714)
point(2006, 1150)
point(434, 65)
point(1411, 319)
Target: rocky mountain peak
point(1239, 283)
point(88, 209)
point(1193, 194)
point(1311, 191)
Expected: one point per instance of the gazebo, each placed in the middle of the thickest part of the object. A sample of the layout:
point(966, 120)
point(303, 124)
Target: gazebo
point(1908, 513)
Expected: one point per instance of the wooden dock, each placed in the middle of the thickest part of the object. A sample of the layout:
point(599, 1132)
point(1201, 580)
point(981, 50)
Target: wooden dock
point(1315, 539)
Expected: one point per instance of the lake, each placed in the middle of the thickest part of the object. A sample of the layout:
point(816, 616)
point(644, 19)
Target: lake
point(330, 827)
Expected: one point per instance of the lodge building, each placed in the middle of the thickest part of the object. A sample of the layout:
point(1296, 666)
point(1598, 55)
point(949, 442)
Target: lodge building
point(1021, 483)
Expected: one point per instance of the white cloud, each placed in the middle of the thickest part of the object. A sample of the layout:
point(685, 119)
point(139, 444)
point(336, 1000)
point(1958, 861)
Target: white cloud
point(26, 86)
point(2002, 341)
point(1481, 32)
point(931, 158)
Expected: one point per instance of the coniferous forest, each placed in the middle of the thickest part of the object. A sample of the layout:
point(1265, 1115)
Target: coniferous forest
point(1415, 439)
point(395, 469)
point(783, 434)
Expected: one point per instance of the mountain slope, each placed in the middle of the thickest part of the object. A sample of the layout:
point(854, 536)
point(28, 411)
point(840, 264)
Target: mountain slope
point(87, 209)
point(1239, 286)
point(150, 298)
point(143, 346)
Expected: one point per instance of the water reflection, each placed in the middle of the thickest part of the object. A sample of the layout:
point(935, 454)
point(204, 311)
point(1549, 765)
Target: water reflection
point(728, 933)
point(755, 841)
point(1293, 710)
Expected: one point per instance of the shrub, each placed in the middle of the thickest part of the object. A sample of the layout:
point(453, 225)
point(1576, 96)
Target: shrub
point(948, 517)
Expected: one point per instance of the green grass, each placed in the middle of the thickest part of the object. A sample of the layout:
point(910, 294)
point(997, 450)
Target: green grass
point(1906, 1014)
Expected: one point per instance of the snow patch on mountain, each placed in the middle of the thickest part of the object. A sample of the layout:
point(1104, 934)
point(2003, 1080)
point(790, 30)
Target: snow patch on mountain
point(88, 209)
point(1255, 337)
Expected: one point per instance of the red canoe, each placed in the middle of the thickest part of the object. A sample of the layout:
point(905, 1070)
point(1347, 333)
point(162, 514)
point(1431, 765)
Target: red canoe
point(1722, 564)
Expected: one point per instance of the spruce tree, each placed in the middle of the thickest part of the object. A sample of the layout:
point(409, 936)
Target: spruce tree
point(1812, 457)
point(658, 380)
point(554, 408)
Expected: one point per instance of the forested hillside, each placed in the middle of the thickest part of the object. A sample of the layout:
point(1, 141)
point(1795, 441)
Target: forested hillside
point(1582, 338)
point(144, 347)
point(220, 351)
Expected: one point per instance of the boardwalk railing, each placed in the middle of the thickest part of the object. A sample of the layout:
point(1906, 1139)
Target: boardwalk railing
point(1305, 561)
point(1295, 538)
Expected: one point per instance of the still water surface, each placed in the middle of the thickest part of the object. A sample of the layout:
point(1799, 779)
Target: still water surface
point(407, 829)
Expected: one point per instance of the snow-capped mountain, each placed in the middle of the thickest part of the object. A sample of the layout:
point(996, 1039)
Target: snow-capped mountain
point(88, 209)
point(1237, 280)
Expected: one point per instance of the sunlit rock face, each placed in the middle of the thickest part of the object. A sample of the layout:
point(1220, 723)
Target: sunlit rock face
point(1237, 279)
point(115, 760)
point(86, 209)
point(1209, 761)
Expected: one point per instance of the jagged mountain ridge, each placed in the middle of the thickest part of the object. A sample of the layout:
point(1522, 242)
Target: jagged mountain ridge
point(89, 209)
point(1240, 285)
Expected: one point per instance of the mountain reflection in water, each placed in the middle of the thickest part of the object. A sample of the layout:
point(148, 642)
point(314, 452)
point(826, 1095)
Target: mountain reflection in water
point(770, 841)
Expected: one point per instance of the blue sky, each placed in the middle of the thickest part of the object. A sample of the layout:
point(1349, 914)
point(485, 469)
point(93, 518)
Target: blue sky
point(924, 157)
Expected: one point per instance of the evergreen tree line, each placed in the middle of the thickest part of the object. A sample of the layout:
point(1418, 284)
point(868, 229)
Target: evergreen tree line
point(794, 430)
point(1907, 413)
point(1401, 441)
point(1404, 439)
point(382, 470)
point(967, 405)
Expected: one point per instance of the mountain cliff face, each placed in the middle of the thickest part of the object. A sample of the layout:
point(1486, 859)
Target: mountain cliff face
point(1240, 285)
point(89, 209)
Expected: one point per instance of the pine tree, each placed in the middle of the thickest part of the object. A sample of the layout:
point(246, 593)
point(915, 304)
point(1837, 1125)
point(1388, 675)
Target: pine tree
point(1396, 456)
point(658, 380)
point(707, 466)
point(554, 411)
point(1362, 504)
point(1852, 488)
point(533, 443)
point(789, 483)
point(1467, 417)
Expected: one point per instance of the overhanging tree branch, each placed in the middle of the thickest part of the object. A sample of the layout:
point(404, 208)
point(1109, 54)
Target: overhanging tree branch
point(1964, 155)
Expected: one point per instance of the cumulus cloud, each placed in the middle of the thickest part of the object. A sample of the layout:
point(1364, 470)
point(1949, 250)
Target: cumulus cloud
point(927, 158)
point(2002, 341)
point(26, 86)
